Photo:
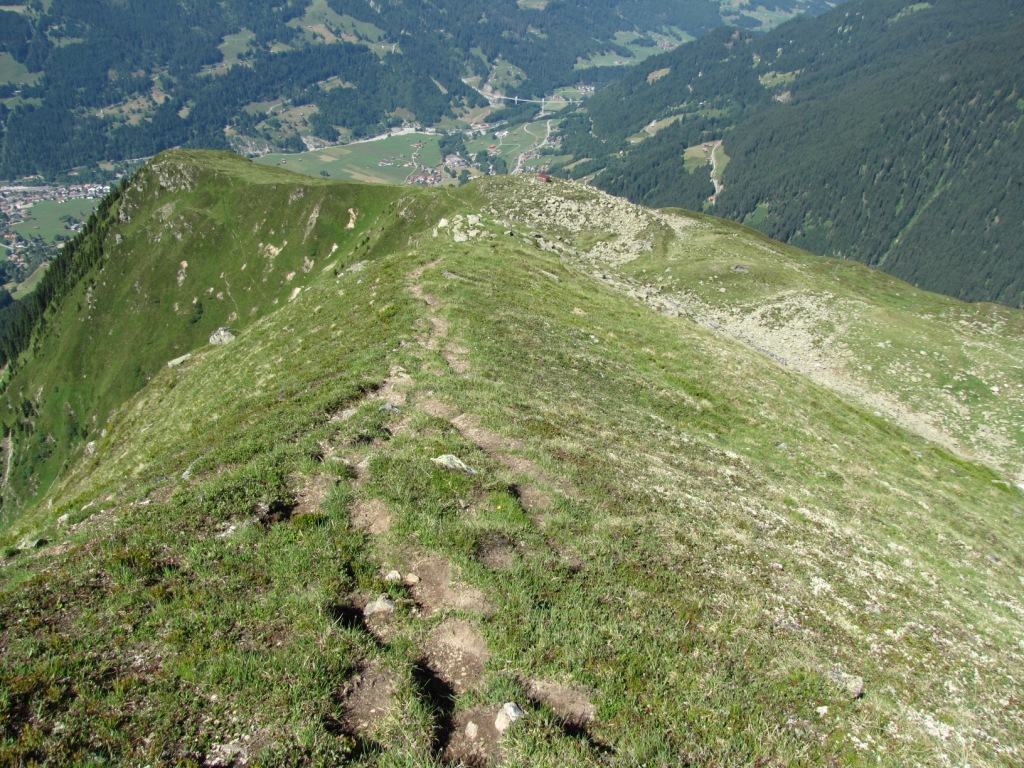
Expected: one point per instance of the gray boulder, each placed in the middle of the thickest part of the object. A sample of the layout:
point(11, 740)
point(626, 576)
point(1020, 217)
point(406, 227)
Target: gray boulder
point(222, 336)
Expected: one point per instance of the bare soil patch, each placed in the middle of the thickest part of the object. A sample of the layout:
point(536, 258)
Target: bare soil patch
point(371, 515)
point(367, 700)
point(436, 589)
point(310, 494)
point(436, 408)
point(533, 498)
point(457, 653)
point(455, 354)
point(497, 553)
point(474, 739)
point(395, 387)
point(570, 702)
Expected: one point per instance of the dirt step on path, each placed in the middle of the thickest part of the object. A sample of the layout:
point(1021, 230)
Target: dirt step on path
point(368, 700)
point(474, 740)
point(371, 515)
point(457, 653)
point(437, 588)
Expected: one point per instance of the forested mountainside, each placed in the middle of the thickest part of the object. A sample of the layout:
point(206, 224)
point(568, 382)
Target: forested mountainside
point(882, 131)
point(508, 474)
point(110, 80)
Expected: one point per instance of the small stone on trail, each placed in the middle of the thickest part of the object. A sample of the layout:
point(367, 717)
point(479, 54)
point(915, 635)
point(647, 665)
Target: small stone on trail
point(454, 463)
point(412, 578)
point(222, 336)
point(390, 408)
point(382, 604)
point(472, 729)
point(852, 685)
point(510, 712)
point(393, 576)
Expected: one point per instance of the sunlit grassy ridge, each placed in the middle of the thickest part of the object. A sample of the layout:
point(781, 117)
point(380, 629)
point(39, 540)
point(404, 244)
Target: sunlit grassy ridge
point(681, 532)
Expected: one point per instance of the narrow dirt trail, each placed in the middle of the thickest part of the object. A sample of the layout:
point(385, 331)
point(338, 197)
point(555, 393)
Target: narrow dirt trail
point(452, 654)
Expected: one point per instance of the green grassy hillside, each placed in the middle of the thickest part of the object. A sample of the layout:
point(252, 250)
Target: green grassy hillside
point(180, 266)
point(668, 547)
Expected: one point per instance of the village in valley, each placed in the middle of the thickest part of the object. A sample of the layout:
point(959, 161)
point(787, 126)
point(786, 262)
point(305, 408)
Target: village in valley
point(35, 221)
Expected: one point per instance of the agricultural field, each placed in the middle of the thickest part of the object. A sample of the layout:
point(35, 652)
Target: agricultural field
point(24, 288)
point(695, 158)
point(12, 71)
point(639, 51)
point(382, 161)
point(46, 219)
point(323, 25)
point(653, 129)
point(232, 48)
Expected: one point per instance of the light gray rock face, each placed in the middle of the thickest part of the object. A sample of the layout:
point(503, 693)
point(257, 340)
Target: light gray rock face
point(222, 336)
point(510, 712)
point(851, 685)
point(179, 360)
point(382, 605)
point(454, 463)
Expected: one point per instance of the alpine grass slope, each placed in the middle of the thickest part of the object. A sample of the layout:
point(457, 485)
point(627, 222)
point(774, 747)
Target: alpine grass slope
point(686, 495)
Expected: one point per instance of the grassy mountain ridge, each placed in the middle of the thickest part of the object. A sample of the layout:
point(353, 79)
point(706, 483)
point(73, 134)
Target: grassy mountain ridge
point(209, 275)
point(672, 550)
point(878, 131)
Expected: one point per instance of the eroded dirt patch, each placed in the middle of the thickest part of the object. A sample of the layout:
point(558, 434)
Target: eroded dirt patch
point(533, 498)
point(455, 354)
point(437, 589)
point(474, 739)
point(310, 494)
point(493, 442)
point(457, 653)
point(395, 387)
point(570, 702)
point(371, 515)
point(497, 553)
point(436, 408)
point(367, 700)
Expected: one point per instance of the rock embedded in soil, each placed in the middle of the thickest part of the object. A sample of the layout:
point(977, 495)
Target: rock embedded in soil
point(851, 685)
point(221, 337)
point(383, 604)
point(510, 712)
point(454, 463)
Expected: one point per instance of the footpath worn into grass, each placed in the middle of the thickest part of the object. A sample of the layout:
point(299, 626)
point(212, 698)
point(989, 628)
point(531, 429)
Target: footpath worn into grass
point(667, 547)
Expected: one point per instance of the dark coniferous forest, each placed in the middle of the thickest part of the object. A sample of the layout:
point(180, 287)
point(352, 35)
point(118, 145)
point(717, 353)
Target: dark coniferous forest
point(96, 57)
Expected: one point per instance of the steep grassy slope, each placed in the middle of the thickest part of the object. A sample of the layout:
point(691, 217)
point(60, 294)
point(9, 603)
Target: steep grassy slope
point(671, 549)
point(174, 273)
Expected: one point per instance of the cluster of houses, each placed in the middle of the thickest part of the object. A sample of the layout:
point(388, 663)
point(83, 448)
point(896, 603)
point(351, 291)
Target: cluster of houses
point(426, 179)
point(17, 201)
